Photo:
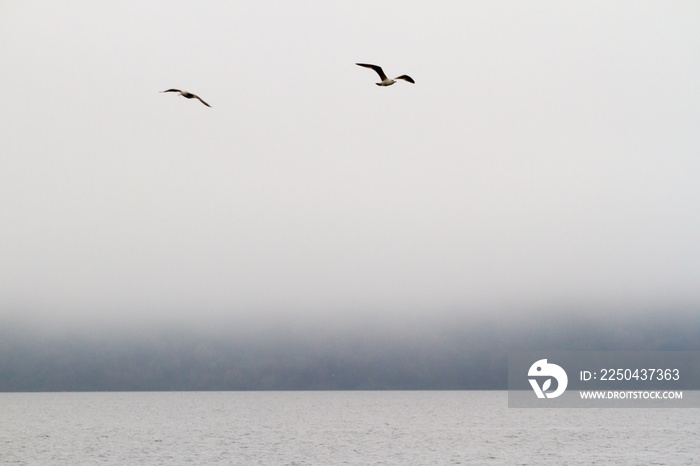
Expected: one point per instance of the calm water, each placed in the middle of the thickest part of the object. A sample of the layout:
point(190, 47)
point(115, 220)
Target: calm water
point(333, 428)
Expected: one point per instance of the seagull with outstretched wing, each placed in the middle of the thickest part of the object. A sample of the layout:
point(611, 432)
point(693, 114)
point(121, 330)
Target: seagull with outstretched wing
point(187, 95)
point(386, 81)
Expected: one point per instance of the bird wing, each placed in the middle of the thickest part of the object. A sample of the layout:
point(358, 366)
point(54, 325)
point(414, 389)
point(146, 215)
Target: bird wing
point(172, 90)
point(376, 68)
point(200, 99)
point(406, 78)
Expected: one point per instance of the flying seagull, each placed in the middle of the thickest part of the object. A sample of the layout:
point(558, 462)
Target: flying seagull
point(187, 95)
point(386, 81)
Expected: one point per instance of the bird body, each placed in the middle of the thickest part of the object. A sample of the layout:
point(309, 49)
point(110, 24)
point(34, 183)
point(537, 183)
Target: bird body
point(188, 95)
point(384, 80)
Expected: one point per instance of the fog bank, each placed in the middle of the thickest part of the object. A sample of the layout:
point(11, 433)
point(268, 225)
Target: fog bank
point(456, 353)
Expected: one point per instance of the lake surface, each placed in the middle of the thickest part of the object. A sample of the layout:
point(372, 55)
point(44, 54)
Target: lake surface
point(382, 427)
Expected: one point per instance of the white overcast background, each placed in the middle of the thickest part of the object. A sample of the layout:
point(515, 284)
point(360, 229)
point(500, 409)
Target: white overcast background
point(548, 154)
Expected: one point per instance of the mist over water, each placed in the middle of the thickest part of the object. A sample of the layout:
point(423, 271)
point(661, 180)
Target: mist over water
point(449, 351)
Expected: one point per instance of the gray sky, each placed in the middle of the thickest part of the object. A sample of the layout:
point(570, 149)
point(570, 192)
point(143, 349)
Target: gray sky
point(548, 153)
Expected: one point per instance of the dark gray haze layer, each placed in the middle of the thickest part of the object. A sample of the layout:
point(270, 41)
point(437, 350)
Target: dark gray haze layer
point(457, 354)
